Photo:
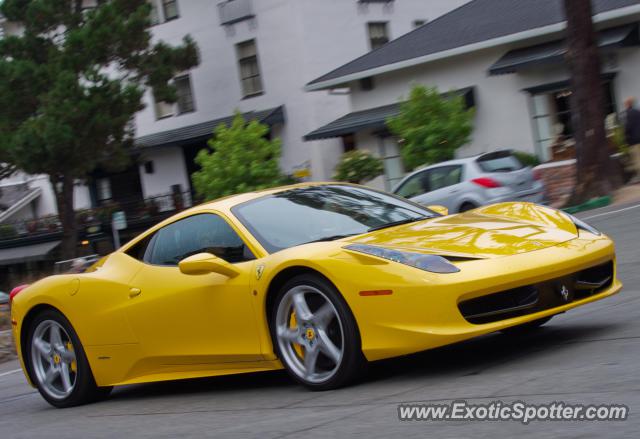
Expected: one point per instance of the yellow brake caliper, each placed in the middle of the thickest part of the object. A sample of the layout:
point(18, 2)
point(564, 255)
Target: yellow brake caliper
point(74, 365)
point(294, 324)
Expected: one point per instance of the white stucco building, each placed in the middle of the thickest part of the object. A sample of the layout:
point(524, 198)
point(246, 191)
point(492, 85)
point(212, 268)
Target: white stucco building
point(256, 57)
point(505, 56)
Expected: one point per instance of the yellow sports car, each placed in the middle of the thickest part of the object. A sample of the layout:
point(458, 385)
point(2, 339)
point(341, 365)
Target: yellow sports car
point(315, 278)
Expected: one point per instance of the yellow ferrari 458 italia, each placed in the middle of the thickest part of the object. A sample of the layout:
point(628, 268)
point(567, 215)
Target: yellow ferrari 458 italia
point(315, 278)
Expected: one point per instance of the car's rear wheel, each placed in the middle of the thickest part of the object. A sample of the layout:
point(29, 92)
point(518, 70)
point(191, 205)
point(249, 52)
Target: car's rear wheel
point(57, 363)
point(527, 327)
point(466, 206)
point(315, 334)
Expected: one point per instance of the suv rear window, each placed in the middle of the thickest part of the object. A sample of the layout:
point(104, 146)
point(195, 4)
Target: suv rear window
point(500, 161)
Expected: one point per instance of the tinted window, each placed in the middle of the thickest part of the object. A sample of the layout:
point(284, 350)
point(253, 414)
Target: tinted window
point(444, 176)
point(303, 215)
point(138, 250)
point(206, 233)
point(415, 185)
point(501, 161)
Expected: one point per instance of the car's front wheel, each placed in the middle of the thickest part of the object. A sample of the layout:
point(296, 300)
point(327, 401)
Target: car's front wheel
point(57, 363)
point(315, 334)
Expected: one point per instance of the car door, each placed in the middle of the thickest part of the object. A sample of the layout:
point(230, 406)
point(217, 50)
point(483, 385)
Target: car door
point(444, 186)
point(194, 319)
point(414, 186)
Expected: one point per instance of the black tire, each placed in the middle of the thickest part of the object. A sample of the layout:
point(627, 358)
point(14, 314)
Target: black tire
point(85, 389)
point(352, 363)
point(526, 327)
point(466, 206)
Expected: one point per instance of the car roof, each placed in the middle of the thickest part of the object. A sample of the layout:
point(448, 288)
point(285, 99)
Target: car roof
point(460, 161)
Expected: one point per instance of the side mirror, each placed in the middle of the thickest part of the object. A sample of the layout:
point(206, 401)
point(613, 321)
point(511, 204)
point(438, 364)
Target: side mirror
point(204, 263)
point(439, 209)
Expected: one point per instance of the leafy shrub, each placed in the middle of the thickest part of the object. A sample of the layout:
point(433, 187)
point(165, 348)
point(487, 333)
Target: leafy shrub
point(431, 127)
point(358, 167)
point(239, 159)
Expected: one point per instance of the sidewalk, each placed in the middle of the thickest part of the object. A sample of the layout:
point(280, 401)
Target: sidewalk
point(627, 197)
point(629, 194)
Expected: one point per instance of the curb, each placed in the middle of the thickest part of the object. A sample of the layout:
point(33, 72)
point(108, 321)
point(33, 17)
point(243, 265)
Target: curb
point(594, 203)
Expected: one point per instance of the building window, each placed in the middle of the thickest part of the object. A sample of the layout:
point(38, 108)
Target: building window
point(170, 9)
point(162, 11)
point(418, 23)
point(552, 116)
point(148, 167)
point(378, 34)
point(349, 143)
point(367, 84)
point(185, 103)
point(104, 189)
point(163, 109)
point(235, 11)
point(154, 15)
point(249, 69)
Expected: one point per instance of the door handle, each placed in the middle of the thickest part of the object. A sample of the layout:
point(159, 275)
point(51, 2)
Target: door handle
point(134, 292)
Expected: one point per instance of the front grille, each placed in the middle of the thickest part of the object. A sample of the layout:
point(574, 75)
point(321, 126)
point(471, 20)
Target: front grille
point(529, 299)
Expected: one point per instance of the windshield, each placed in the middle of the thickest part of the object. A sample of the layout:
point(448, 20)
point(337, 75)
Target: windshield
point(320, 213)
point(500, 161)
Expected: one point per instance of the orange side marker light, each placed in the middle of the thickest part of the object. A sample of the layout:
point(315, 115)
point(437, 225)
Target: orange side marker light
point(376, 293)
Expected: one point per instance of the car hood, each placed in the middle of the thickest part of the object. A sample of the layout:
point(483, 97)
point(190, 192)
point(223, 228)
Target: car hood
point(489, 232)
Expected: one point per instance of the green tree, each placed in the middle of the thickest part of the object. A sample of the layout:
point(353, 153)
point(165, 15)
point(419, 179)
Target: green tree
point(358, 167)
point(70, 85)
point(240, 159)
point(431, 127)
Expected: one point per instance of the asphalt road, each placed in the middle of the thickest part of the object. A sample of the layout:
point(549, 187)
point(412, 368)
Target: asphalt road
point(589, 355)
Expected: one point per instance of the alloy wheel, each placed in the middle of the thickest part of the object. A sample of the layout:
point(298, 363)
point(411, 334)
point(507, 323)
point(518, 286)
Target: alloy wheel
point(309, 334)
point(54, 360)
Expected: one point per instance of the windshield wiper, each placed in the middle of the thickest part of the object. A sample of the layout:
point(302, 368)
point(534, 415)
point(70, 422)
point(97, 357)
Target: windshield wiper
point(332, 238)
point(398, 223)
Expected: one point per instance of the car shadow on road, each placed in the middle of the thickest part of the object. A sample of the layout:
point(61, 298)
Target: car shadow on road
point(473, 357)
point(470, 357)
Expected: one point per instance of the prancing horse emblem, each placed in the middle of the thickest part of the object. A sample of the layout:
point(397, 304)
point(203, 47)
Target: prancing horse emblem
point(259, 271)
point(564, 292)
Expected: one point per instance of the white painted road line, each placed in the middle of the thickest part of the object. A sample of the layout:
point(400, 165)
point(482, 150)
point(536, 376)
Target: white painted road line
point(612, 212)
point(10, 372)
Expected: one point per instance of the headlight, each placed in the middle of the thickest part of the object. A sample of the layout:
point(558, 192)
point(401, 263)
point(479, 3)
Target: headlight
point(431, 263)
point(581, 225)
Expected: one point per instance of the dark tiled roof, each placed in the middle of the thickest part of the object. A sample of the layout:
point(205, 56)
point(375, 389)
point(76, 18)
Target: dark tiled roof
point(373, 118)
point(204, 130)
point(474, 22)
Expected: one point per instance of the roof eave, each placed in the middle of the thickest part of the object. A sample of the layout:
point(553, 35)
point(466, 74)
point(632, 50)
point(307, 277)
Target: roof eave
point(487, 44)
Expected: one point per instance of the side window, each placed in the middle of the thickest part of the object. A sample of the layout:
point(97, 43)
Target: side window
point(206, 233)
point(445, 176)
point(414, 186)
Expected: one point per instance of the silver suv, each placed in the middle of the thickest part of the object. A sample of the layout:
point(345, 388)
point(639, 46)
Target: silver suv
point(465, 184)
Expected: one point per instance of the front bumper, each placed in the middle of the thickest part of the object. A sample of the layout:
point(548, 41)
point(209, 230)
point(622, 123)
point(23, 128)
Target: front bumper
point(422, 316)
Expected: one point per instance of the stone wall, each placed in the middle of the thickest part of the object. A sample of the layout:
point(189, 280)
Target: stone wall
point(559, 178)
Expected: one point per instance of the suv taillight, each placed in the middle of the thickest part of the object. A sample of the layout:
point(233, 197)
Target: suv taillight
point(537, 174)
point(487, 182)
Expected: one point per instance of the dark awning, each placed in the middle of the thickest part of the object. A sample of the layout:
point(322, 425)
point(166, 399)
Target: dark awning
point(373, 118)
point(27, 253)
point(555, 51)
point(204, 130)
